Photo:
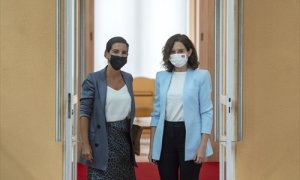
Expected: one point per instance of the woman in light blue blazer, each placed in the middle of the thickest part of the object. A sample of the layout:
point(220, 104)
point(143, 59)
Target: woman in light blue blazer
point(106, 116)
point(182, 117)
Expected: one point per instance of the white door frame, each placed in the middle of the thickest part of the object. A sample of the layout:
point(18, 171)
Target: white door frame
point(228, 82)
point(70, 89)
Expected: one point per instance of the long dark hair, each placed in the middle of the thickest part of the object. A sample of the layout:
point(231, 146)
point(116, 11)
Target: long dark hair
point(193, 59)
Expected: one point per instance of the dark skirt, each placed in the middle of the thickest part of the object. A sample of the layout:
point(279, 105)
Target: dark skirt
point(120, 161)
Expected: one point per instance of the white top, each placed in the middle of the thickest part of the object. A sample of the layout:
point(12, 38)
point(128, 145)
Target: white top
point(174, 109)
point(118, 104)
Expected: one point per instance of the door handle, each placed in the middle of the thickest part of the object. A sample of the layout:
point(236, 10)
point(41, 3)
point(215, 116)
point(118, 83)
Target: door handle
point(229, 105)
point(69, 105)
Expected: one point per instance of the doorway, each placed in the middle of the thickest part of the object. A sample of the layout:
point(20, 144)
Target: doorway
point(219, 31)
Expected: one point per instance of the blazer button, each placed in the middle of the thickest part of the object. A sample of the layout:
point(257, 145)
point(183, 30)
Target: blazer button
point(98, 126)
point(96, 145)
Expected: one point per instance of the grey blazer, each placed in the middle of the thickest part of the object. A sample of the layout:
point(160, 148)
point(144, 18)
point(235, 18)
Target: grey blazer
point(92, 106)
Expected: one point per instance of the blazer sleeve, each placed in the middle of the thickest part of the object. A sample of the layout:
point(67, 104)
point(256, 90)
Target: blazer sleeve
point(156, 106)
point(87, 97)
point(206, 107)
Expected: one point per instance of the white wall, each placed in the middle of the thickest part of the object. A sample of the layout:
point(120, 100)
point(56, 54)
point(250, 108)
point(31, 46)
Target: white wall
point(145, 24)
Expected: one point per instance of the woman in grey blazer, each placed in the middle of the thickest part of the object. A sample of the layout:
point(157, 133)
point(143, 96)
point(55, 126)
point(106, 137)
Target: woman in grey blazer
point(106, 116)
point(182, 115)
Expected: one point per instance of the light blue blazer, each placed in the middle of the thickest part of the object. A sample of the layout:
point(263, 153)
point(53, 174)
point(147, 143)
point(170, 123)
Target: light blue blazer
point(92, 106)
point(197, 110)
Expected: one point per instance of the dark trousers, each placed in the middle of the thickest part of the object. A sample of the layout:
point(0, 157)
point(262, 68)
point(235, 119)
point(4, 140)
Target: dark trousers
point(172, 155)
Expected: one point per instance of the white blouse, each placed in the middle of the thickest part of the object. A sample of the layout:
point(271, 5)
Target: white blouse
point(118, 104)
point(174, 109)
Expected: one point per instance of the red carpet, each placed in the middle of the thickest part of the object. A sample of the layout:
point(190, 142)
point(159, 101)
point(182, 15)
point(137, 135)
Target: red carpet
point(147, 171)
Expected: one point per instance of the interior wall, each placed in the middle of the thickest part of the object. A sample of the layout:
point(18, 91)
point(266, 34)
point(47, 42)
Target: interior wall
point(89, 36)
point(27, 92)
point(201, 31)
point(206, 54)
point(270, 149)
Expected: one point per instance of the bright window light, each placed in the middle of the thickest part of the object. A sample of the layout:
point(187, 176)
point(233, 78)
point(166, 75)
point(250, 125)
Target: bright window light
point(145, 24)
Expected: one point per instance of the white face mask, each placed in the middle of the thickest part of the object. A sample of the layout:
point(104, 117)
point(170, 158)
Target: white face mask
point(178, 60)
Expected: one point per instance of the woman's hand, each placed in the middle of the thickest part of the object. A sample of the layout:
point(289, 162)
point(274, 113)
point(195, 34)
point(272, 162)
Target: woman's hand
point(150, 158)
point(200, 155)
point(152, 132)
point(86, 151)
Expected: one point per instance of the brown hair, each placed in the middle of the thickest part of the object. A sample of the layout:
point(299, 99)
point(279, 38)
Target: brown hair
point(193, 59)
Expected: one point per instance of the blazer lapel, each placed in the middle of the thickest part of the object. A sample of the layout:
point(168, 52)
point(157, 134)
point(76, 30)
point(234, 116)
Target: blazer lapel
point(187, 80)
point(165, 83)
point(102, 88)
point(188, 83)
point(128, 83)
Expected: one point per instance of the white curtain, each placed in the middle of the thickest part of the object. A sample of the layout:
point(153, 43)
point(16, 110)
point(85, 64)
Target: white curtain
point(145, 24)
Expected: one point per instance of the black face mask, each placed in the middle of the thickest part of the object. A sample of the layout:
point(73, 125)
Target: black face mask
point(117, 62)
